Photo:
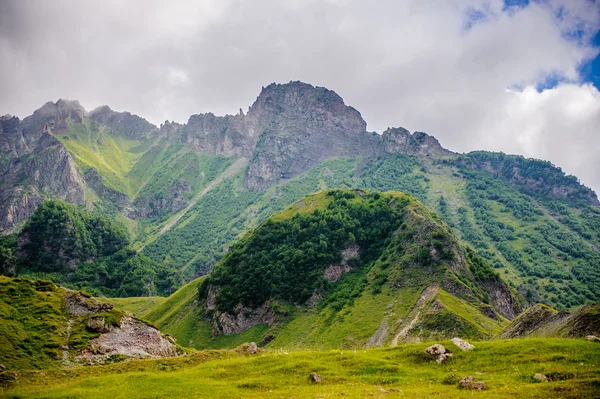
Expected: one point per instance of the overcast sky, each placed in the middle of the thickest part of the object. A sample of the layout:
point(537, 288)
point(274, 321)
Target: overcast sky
point(513, 76)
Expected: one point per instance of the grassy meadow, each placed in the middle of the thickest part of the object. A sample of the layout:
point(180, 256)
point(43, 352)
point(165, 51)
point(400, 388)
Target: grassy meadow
point(507, 367)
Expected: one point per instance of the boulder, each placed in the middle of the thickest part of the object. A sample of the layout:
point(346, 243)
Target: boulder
point(315, 378)
point(439, 353)
point(96, 323)
point(468, 383)
point(252, 348)
point(539, 377)
point(462, 345)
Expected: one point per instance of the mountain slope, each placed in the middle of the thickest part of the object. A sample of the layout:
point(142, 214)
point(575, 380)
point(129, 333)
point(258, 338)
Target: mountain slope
point(335, 269)
point(543, 321)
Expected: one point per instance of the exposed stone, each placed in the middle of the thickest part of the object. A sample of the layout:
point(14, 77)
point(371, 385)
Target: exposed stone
point(315, 378)
point(539, 377)
point(132, 126)
point(301, 126)
point(380, 336)
point(468, 383)
point(400, 141)
point(242, 318)
point(96, 323)
point(439, 353)
point(133, 338)
point(593, 338)
point(463, 345)
point(79, 304)
point(335, 272)
point(252, 348)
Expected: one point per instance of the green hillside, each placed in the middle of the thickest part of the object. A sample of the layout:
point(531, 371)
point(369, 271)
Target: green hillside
point(340, 268)
point(82, 250)
point(545, 247)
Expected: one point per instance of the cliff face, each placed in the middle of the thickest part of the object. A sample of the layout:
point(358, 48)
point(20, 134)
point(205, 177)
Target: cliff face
point(300, 126)
point(35, 165)
point(291, 128)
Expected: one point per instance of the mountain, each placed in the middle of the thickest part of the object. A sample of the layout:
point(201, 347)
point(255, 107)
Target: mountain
point(342, 268)
point(186, 191)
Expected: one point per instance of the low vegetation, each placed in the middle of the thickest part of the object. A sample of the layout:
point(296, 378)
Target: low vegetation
point(506, 367)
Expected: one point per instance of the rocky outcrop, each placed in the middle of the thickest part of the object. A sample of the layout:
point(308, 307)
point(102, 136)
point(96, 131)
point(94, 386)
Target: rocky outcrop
point(132, 338)
point(78, 304)
point(400, 141)
point(439, 353)
point(242, 318)
point(17, 204)
point(291, 128)
point(470, 383)
point(462, 344)
point(34, 164)
point(230, 135)
point(52, 169)
point(56, 116)
point(334, 272)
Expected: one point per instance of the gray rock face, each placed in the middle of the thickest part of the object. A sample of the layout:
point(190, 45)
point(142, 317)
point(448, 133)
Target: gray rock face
point(56, 116)
point(400, 141)
point(242, 318)
point(291, 128)
point(48, 170)
point(302, 125)
point(230, 135)
point(470, 383)
point(34, 164)
point(462, 345)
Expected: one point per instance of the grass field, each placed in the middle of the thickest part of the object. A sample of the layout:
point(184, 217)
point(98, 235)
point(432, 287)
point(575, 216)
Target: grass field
point(507, 367)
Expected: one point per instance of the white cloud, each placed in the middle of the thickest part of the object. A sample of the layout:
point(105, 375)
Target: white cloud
point(423, 64)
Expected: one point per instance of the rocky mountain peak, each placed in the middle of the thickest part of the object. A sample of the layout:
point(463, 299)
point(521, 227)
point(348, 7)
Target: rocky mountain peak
point(54, 116)
point(298, 98)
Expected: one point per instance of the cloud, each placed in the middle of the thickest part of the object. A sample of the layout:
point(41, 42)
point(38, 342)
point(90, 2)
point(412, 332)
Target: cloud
point(465, 71)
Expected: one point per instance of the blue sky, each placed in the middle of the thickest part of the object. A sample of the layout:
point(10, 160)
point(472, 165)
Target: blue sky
point(590, 71)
